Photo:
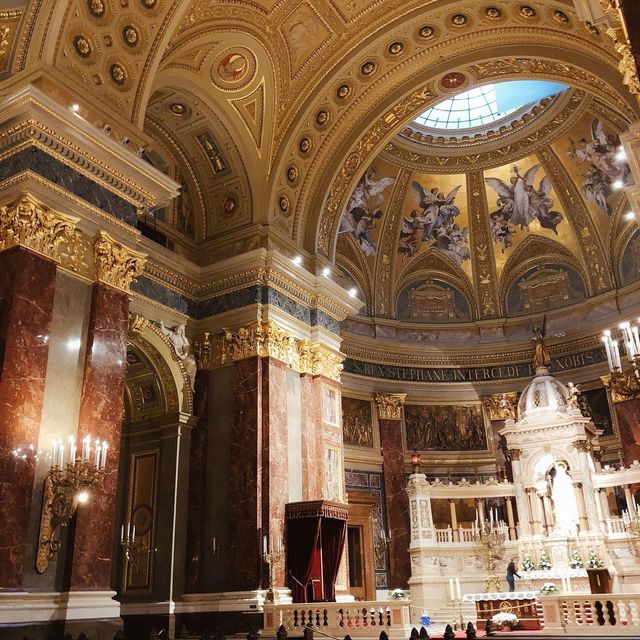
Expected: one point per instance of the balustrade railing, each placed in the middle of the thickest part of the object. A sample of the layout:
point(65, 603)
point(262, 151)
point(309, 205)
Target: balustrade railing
point(459, 535)
point(604, 614)
point(615, 526)
point(356, 619)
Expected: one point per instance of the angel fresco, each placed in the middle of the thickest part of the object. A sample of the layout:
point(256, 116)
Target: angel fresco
point(519, 203)
point(606, 165)
point(433, 223)
point(362, 210)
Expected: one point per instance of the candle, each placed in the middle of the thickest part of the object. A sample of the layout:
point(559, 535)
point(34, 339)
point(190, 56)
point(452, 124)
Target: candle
point(607, 347)
point(103, 463)
point(72, 449)
point(451, 593)
point(458, 596)
point(264, 544)
point(213, 543)
point(636, 340)
point(60, 454)
point(86, 448)
point(133, 533)
point(615, 353)
point(122, 534)
point(96, 462)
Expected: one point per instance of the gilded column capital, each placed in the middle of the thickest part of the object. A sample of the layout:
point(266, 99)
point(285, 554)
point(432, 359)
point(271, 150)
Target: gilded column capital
point(390, 405)
point(582, 445)
point(28, 223)
point(515, 454)
point(116, 264)
point(137, 323)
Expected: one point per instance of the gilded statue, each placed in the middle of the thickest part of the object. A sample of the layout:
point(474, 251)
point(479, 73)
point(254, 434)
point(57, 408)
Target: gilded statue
point(541, 357)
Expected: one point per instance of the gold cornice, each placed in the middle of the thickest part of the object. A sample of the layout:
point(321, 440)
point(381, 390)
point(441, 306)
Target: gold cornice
point(390, 405)
point(27, 223)
point(267, 339)
point(115, 264)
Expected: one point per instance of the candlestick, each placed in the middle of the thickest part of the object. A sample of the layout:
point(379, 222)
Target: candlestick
point(72, 449)
point(96, 462)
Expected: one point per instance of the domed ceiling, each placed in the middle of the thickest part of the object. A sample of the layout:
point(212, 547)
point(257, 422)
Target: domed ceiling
point(511, 212)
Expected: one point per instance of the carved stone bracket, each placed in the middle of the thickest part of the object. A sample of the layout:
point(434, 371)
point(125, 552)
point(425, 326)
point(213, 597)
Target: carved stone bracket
point(29, 224)
point(267, 339)
point(390, 405)
point(116, 264)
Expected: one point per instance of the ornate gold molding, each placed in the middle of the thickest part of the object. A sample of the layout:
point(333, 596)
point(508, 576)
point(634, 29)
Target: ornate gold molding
point(202, 347)
point(267, 339)
point(29, 224)
point(516, 454)
point(116, 264)
point(390, 405)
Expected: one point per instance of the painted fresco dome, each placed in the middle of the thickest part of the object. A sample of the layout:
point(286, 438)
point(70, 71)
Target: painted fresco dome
point(543, 395)
point(520, 211)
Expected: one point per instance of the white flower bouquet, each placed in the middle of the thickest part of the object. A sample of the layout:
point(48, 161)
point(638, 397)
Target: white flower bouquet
point(504, 619)
point(548, 588)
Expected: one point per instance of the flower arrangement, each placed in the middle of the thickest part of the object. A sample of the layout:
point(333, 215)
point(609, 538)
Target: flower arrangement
point(575, 561)
point(594, 562)
point(504, 619)
point(545, 562)
point(527, 563)
point(548, 588)
point(398, 594)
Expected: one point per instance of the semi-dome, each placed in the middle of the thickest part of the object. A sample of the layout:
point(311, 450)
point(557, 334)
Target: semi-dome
point(544, 394)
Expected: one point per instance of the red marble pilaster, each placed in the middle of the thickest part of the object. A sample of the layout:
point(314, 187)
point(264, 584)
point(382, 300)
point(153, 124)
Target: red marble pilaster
point(101, 417)
point(258, 480)
point(397, 502)
point(312, 450)
point(27, 284)
point(628, 415)
point(196, 521)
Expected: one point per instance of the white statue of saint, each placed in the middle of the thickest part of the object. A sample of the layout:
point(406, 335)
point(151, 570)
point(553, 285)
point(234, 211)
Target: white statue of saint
point(178, 338)
point(564, 502)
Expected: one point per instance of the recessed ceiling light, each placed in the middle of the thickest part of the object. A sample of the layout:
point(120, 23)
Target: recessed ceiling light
point(326, 272)
point(75, 107)
point(621, 155)
point(617, 184)
point(630, 215)
point(353, 292)
point(297, 260)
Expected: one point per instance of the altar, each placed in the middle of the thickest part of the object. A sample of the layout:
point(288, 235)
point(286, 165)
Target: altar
point(521, 603)
point(565, 579)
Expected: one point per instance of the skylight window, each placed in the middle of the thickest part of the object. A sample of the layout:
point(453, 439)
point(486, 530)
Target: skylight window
point(486, 104)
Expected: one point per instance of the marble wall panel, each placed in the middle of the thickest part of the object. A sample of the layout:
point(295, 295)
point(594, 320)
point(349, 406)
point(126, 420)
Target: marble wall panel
point(100, 416)
point(27, 285)
point(294, 436)
point(628, 414)
point(312, 460)
point(397, 502)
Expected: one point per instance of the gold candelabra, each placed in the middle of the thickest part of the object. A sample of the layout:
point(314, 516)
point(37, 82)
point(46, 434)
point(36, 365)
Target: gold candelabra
point(64, 488)
point(624, 383)
point(272, 558)
point(492, 541)
point(633, 529)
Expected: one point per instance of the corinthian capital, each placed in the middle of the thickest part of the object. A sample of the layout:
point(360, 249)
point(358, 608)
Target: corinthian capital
point(390, 405)
point(27, 223)
point(116, 264)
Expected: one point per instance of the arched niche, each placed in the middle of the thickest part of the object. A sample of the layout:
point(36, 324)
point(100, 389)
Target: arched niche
point(432, 299)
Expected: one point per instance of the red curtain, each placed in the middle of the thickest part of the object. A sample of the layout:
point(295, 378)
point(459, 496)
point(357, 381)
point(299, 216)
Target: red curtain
point(302, 540)
point(334, 533)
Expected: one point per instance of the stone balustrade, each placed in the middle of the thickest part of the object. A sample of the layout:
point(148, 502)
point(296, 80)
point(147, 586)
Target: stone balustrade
point(583, 615)
point(615, 527)
point(338, 619)
point(460, 535)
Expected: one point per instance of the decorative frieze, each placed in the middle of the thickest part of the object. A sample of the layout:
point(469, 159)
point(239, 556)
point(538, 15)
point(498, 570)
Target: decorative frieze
point(501, 406)
point(390, 405)
point(267, 339)
point(116, 264)
point(29, 224)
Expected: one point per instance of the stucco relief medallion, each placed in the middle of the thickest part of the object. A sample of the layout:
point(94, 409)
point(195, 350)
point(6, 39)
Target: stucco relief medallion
point(234, 69)
point(453, 81)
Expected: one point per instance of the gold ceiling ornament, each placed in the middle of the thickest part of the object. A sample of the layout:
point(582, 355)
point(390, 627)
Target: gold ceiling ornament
point(318, 360)
point(501, 406)
point(390, 405)
point(137, 323)
point(30, 224)
point(115, 264)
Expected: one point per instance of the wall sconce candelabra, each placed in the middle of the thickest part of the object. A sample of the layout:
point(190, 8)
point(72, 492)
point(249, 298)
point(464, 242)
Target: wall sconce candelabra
point(272, 557)
point(492, 541)
point(624, 383)
point(65, 487)
point(632, 526)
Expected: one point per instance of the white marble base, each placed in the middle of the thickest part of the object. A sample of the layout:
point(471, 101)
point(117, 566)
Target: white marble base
point(35, 607)
point(249, 601)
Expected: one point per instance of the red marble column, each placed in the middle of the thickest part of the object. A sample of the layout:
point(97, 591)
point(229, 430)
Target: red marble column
point(312, 429)
point(395, 489)
point(258, 480)
point(27, 283)
point(628, 415)
point(101, 417)
point(196, 523)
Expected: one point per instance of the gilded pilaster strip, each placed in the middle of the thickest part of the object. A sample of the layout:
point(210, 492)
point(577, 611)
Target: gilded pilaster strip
point(593, 257)
point(115, 264)
point(27, 223)
point(484, 264)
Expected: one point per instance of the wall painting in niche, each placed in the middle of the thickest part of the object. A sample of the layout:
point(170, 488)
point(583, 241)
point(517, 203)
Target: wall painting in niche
point(543, 288)
point(366, 206)
point(357, 422)
point(435, 216)
point(330, 408)
point(522, 201)
point(630, 263)
point(594, 404)
point(432, 300)
point(445, 427)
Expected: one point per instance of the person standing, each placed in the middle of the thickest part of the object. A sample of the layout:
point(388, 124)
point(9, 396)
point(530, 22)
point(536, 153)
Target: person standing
point(511, 575)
